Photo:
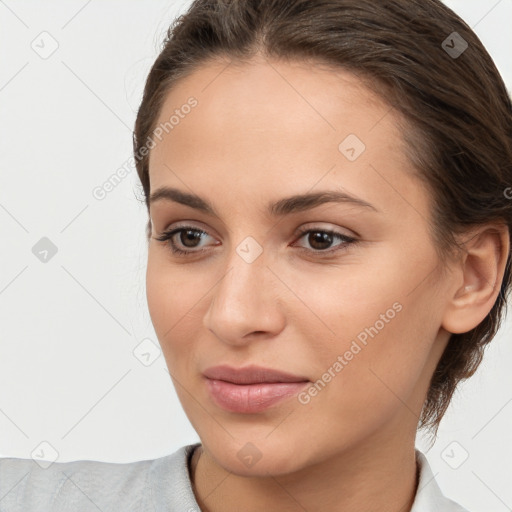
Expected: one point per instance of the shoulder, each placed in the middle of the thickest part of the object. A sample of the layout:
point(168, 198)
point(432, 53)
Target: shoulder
point(89, 485)
point(429, 496)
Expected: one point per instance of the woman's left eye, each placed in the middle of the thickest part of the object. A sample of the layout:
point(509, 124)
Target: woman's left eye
point(318, 239)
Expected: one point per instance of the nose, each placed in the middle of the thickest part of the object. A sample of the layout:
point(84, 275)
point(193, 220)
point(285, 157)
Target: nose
point(245, 303)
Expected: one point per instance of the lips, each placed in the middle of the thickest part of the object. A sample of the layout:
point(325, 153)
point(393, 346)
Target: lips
point(250, 375)
point(251, 389)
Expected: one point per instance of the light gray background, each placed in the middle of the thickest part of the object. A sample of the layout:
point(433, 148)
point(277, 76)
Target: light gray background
point(68, 374)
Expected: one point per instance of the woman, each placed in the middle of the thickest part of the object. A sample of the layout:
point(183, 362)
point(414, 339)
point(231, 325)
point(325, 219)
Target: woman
point(329, 254)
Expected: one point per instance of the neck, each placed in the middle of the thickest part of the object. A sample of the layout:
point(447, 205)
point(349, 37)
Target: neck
point(379, 476)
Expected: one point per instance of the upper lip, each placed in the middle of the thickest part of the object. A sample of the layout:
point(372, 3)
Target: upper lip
point(250, 375)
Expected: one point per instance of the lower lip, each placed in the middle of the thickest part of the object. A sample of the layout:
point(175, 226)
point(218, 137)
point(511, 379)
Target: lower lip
point(251, 398)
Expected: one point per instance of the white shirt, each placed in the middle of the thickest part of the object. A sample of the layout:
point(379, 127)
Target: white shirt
point(429, 496)
point(157, 485)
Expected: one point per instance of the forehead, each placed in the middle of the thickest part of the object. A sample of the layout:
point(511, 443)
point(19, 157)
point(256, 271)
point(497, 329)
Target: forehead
point(330, 98)
point(281, 123)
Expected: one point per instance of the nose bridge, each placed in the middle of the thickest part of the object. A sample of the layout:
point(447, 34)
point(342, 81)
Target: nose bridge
point(243, 301)
point(247, 273)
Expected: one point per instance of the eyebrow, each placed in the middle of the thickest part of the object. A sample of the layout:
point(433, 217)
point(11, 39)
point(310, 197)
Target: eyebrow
point(285, 206)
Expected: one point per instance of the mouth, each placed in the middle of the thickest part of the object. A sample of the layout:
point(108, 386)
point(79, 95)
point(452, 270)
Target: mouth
point(251, 389)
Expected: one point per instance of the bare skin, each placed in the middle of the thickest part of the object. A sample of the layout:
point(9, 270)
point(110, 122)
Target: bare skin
point(263, 131)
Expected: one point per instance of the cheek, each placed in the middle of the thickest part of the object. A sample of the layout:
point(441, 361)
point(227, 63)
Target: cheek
point(338, 303)
point(170, 298)
point(177, 301)
point(372, 385)
point(371, 337)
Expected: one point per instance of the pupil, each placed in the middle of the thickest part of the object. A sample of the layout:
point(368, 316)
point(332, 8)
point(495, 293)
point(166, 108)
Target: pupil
point(318, 237)
point(189, 235)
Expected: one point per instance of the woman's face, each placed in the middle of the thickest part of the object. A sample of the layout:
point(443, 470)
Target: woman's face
point(361, 321)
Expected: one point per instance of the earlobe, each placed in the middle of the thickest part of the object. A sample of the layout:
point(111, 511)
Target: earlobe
point(482, 268)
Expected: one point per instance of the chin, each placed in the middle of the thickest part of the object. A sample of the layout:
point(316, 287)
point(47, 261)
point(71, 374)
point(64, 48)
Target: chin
point(256, 457)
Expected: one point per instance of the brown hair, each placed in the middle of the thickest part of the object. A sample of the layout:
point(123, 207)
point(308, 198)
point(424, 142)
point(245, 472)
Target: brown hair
point(454, 110)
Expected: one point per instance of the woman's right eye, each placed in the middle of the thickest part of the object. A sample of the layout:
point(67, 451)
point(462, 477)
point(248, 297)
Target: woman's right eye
point(186, 235)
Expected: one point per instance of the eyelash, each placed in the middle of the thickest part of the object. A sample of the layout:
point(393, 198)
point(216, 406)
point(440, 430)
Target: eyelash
point(167, 237)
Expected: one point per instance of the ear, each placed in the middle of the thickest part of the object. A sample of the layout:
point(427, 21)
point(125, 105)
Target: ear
point(480, 271)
